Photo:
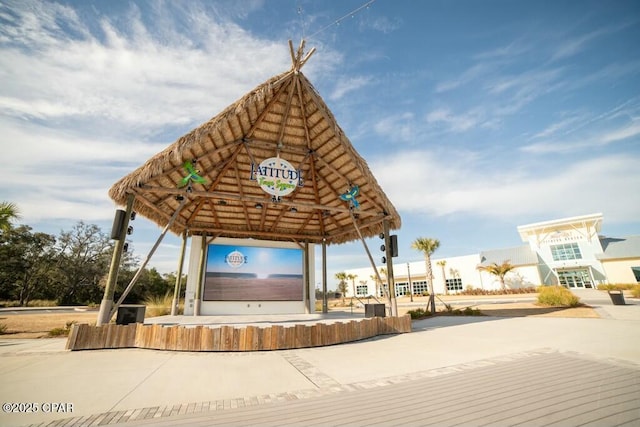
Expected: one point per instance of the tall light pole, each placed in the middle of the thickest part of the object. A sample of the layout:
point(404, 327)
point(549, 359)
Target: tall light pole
point(410, 284)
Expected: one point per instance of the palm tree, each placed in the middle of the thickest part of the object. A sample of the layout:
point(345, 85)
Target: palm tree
point(498, 270)
point(377, 282)
point(385, 291)
point(342, 285)
point(353, 278)
point(8, 212)
point(428, 246)
point(444, 276)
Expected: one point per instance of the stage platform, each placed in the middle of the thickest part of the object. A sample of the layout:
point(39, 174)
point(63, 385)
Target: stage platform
point(262, 320)
point(236, 333)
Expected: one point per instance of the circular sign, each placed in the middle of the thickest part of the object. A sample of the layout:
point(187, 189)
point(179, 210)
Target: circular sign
point(277, 176)
point(235, 259)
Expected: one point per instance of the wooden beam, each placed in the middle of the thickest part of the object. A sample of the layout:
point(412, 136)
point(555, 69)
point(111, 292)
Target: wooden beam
point(252, 199)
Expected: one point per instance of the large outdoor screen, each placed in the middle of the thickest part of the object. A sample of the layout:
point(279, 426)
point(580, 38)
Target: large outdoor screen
point(253, 273)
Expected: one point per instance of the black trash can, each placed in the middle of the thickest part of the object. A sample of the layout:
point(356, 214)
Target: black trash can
point(374, 310)
point(617, 297)
point(130, 313)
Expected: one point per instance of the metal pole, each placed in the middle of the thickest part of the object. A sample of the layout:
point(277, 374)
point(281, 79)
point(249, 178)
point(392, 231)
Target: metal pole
point(325, 305)
point(176, 289)
point(390, 279)
point(104, 315)
point(366, 248)
point(307, 282)
point(201, 268)
point(410, 283)
point(147, 259)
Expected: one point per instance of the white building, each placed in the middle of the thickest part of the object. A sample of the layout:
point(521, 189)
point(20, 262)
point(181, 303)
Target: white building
point(568, 251)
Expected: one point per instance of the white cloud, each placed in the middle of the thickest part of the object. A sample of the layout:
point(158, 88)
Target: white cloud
point(596, 138)
point(420, 182)
point(79, 110)
point(346, 85)
point(474, 73)
point(453, 122)
point(131, 79)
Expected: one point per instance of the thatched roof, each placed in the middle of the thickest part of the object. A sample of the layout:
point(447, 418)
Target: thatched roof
point(282, 118)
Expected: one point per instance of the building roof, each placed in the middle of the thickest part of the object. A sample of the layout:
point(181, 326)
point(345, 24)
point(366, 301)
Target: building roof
point(591, 222)
point(517, 256)
point(620, 247)
point(214, 167)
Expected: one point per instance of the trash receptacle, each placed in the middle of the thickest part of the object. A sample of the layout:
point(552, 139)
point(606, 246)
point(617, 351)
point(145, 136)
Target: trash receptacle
point(617, 297)
point(374, 310)
point(130, 313)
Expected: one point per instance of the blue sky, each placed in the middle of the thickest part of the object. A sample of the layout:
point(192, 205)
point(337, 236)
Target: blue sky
point(474, 116)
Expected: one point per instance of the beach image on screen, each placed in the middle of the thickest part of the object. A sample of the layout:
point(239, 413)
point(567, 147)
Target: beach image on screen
point(253, 273)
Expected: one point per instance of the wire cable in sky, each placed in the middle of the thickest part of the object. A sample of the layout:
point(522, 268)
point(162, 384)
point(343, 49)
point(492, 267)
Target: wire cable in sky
point(337, 21)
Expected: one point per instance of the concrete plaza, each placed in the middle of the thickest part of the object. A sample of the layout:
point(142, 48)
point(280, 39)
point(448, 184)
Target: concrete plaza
point(449, 371)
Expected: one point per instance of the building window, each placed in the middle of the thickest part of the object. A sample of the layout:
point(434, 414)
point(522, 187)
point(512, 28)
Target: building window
point(384, 288)
point(420, 287)
point(454, 284)
point(565, 251)
point(636, 272)
point(362, 290)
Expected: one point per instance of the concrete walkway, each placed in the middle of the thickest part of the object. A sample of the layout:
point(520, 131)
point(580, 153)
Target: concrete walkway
point(450, 370)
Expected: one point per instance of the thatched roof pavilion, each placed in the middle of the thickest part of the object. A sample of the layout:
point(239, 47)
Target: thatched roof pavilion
point(283, 118)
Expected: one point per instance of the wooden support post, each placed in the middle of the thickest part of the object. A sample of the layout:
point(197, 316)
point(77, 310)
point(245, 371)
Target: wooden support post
point(203, 265)
point(325, 305)
point(176, 289)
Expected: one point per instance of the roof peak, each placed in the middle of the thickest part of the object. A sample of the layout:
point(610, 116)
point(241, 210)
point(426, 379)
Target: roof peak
point(297, 58)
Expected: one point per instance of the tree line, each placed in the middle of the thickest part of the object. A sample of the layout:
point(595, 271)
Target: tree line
point(70, 268)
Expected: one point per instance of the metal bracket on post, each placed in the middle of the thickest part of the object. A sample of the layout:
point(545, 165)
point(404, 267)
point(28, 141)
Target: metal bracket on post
point(104, 315)
point(390, 278)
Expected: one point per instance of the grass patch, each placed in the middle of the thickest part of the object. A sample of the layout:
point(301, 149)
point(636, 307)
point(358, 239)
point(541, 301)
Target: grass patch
point(32, 303)
point(158, 305)
point(62, 332)
point(632, 287)
point(557, 296)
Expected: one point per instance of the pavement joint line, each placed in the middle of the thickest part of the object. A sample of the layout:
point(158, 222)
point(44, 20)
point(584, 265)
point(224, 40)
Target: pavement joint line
point(158, 412)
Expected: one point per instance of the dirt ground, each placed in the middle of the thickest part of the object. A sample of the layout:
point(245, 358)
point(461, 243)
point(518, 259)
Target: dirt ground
point(21, 326)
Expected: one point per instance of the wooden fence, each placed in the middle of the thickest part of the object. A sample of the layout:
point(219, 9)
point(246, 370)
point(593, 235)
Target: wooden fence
point(229, 338)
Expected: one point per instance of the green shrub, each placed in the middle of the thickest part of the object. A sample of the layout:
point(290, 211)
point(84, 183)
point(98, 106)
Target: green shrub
point(469, 290)
point(3, 329)
point(59, 332)
point(557, 296)
point(635, 291)
point(42, 303)
point(418, 313)
point(467, 311)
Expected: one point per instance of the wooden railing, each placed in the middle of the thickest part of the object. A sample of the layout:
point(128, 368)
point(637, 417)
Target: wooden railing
point(229, 338)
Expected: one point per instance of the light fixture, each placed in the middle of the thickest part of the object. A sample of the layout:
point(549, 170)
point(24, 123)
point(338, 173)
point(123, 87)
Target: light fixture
point(222, 203)
point(258, 205)
point(293, 209)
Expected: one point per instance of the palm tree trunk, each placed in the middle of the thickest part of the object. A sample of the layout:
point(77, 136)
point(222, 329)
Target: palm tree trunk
point(432, 297)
